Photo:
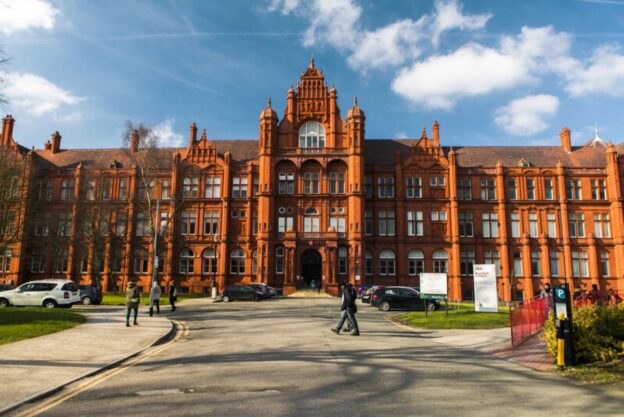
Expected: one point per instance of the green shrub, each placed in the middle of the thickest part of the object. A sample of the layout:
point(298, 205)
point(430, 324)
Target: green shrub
point(598, 333)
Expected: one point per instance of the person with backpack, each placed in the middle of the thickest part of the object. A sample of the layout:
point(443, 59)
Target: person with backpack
point(133, 299)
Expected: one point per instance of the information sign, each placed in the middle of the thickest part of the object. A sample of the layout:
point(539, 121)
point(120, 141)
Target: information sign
point(486, 294)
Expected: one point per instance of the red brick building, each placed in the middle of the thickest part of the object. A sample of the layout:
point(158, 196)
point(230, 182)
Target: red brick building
point(313, 200)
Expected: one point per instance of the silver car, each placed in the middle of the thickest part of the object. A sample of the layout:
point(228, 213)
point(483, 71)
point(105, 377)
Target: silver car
point(49, 293)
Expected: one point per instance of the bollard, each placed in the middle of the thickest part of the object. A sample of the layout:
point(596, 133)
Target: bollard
point(561, 341)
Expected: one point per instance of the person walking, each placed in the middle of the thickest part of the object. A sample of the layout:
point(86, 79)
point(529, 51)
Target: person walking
point(173, 297)
point(133, 298)
point(348, 309)
point(155, 298)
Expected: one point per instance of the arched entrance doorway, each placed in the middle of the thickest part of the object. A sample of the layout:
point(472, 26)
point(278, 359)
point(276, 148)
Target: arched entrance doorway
point(311, 268)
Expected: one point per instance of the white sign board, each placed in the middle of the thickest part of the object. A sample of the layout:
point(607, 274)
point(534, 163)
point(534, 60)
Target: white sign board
point(433, 284)
point(486, 294)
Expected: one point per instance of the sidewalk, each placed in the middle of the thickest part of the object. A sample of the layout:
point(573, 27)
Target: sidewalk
point(531, 353)
point(30, 367)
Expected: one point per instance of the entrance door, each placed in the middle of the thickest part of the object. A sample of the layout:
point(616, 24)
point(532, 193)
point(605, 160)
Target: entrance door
point(311, 268)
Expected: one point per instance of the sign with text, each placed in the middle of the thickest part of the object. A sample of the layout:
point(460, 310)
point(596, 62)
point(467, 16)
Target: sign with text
point(486, 294)
point(433, 285)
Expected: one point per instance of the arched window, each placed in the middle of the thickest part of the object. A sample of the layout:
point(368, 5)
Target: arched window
point(312, 135)
point(368, 263)
point(387, 262)
point(209, 262)
point(254, 262)
point(5, 261)
point(415, 262)
point(343, 254)
point(237, 262)
point(186, 261)
point(311, 221)
point(279, 260)
point(440, 261)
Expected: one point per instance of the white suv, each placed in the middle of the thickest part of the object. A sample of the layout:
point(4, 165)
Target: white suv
point(48, 293)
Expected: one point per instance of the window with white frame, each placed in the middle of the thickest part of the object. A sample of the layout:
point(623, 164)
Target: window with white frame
point(311, 182)
point(573, 189)
point(286, 183)
point(387, 262)
point(602, 225)
point(209, 262)
point(213, 187)
point(530, 188)
point(5, 260)
point(551, 225)
point(413, 187)
point(576, 224)
point(536, 268)
point(490, 224)
point(554, 263)
point(279, 260)
point(187, 258)
point(64, 224)
point(465, 223)
point(311, 221)
point(61, 261)
point(415, 223)
point(579, 264)
point(368, 187)
point(254, 261)
point(466, 262)
point(438, 215)
point(336, 182)
point(141, 261)
point(190, 187)
point(549, 189)
point(440, 261)
point(91, 190)
point(237, 262)
point(338, 223)
point(342, 260)
point(312, 135)
point(189, 222)
point(386, 223)
point(123, 189)
point(464, 189)
point(488, 189)
point(38, 261)
point(437, 181)
point(604, 264)
point(67, 190)
point(599, 189)
point(284, 223)
point(533, 232)
point(415, 262)
point(165, 189)
point(368, 263)
point(239, 187)
point(211, 222)
point(368, 222)
point(512, 189)
point(515, 225)
point(517, 263)
point(385, 187)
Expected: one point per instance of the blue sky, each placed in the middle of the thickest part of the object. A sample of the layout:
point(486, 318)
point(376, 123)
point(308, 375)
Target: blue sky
point(491, 72)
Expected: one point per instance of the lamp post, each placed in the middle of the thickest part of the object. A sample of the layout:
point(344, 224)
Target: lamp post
point(155, 260)
point(213, 289)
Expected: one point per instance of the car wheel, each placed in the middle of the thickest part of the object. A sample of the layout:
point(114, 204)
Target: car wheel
point(4, 303)
point(431, 307)
point(384, 306)
point(254, 298)
point(49, 304)
point(226, 298)
point(86, 301)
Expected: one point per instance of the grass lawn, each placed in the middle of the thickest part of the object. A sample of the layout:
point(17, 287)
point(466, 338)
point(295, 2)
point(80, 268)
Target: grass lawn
point(463, 318)
point(116, 299)
point(597, 373)
point(24, 323)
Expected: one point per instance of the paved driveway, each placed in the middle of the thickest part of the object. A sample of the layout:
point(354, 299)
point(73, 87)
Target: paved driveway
point(278, 358)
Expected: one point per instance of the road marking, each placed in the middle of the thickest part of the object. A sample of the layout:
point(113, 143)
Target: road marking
point(70, 393)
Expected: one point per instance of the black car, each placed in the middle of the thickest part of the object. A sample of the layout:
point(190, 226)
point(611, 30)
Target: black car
point(90, 294)
point(401, 298)
point(241, 292)
point(264, 289)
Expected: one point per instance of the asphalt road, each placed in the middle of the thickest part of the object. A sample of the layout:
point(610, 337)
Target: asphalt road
point(279, 358)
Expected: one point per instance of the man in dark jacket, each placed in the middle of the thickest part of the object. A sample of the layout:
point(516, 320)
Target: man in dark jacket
point(173, 297)
point(348, 309)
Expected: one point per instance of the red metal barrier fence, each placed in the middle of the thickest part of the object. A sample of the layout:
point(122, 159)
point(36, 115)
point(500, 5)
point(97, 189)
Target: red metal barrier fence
point(527, 317)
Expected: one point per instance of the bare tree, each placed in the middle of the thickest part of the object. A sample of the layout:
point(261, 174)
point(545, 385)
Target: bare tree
point(13, 193)
point(4, 60)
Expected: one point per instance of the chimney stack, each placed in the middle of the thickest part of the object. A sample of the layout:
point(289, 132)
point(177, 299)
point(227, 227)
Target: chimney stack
point(134, 141)
point(193, 133)
point(436, 131)
point(7, 130)
point(566, 142)
point(56, 142)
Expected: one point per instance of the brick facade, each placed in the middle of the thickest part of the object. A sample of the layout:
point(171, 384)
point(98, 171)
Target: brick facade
point(312, 198)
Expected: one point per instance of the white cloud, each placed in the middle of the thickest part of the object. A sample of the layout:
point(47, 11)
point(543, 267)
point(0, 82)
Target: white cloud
point(449, 15)
point(337, 23)
point(602, 74)
point(36, 96)
point(17, 15)
point(166, 135)
point(526, 116)
point(473, 70)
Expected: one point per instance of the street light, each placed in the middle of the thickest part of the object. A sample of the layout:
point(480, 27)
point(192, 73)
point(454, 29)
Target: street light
point(156, 260)
point(213, 290)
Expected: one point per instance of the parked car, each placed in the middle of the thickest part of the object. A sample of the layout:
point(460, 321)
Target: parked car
point(6, 287)
point(368, 294)
point(90, 294)
point(48, 293)
point(241, 292)
point(401, 298)
point(263, 288)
